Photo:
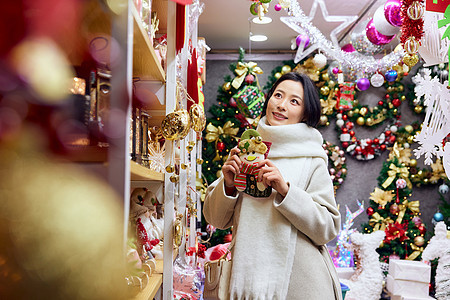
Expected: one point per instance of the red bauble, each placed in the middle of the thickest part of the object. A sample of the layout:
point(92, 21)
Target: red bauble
point(344, 130)
point(387, 133)
point(369, 142)
point(344, 117)
point(396, 102)
point(227, 238)
point(383, 147)
point(387, 96)
point(358, 150)
point(394, 209)
point(232, 102)
point(376, 141)
point(345, 145)
point(422, 229)
point(220, 146)
point(392, 139)
point(370, 211)
point(380, 102)
point(249, 79)
point(350, 125)
point(352, 133)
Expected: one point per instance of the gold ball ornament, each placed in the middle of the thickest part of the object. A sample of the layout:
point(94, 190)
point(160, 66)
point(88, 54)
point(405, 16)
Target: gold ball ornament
point(411, 46)
point(415, 11)
point(413, 162)
point(189, 148)
point(426, 180)
point(323, 120)
point(219, 173)
point(400, 88)
point(176, 125)
point(410, 139)
point(170, 169)
point(324, 90)
point(198, 118)
point(325, 76)
point(199, 161)
point(409, 128)
point(184, 166)
point(285, 69)
point(363, 111)
point(368, 121)
point(226, 86)
point(331, 83)
point(419, 241)
point(360, 121)
point(418, 109)
point(174, 178)
point(350, 113)
point(411, 60)
point(277, 75)
point(403, 98)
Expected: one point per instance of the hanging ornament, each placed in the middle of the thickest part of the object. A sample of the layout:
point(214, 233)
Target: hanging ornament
point(422, 229)
point(277, 75)
point(392, 12)
point(377, 80)
point(254, 8)
point(198, 118)
point(438, 217)
point(370, 211)
point(232, 102)
point(443, 188)
point(226, 86)
point(176, 125)
point(277, 7)
point(302, 39)
point(320, 60)
point(220, 146)
point(400, 183)
point(396, 102)
point(363, 84)
point(411, 45)
point(286, 69)
point(415, 11)
point(249, 79)
point(394, 209)
point(419, 241)
point(391, 75)
point(417, 221)
point(325, 90)
point(411, 60)
point(375, 37)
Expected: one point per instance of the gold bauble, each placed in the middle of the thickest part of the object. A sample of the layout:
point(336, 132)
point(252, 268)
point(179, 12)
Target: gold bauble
point(226, 86)
point(395, 111)
point(277, 75)
point(411, 60)
point(198, 118)
point(415, 11)
point(425, 180)
point(356, 110)
point(400, 88)
point(170, 168)
point(355, 101)
point(418, 109)
point(285, 69)
point(420, 173)
point(174, 178)
point(368, 121)
point(184, 166)
point(324, 90)
point(419, 241)
point(323, 120)
point(403, 98)
point(331, 83)
point(360, 121)
point(409, 128)
point(410, 139)
point(389, 89)
point(325, 76)
point(176, 125)
point(219, 173)
point(336, 89)
point(350, 113)
point(363, 111)
point(411, 45)
point(199, 161)
point(381, 244)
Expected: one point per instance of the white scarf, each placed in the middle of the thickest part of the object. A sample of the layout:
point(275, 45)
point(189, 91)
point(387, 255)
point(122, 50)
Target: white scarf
point(265, 240)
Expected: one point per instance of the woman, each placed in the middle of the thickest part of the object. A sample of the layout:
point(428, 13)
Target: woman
point(279, 242)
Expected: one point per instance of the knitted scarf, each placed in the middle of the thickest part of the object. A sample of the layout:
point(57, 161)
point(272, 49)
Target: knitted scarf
point(265, 241)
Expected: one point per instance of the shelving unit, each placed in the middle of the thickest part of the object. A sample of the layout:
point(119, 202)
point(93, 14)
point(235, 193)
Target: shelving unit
point(140, 173)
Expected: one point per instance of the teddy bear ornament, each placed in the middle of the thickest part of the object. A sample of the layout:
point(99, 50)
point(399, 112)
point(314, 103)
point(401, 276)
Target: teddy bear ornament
point(253, 150)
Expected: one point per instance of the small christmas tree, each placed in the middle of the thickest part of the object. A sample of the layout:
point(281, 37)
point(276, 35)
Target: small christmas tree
point(391, 211)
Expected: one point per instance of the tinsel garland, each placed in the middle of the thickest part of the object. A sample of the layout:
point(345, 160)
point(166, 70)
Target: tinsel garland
point(410, 27)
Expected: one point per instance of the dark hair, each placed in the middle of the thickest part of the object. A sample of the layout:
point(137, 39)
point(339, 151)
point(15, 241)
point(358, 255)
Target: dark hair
point(310, 97)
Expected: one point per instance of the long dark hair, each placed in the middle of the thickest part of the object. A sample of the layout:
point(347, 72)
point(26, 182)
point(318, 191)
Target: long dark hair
point(311, 97)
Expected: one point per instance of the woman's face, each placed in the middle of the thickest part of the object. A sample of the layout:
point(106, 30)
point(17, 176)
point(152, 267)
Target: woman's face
point(286, 105)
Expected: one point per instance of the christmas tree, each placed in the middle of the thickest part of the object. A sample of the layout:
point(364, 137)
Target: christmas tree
point(391, 211)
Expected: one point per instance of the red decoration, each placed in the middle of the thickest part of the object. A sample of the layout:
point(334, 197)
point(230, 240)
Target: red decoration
point(376, 141)
point(350, 125)
point(383, 147)
point(380, 102)
point(422, 229)
point(352, 133)
point(201, 251)
point(249, 79)
point(396, 102)
point(192, 79)
point(220, 146)
point(227, 238)
point(410, 27)
point(394, 209)
point(183, 2)
point(370, 211)
point(396, 231)
point(387, 132)
point(180, 25)
point(345, 145)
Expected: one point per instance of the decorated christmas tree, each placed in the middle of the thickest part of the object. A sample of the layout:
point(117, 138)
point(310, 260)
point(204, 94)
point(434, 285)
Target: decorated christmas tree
point(391, 211)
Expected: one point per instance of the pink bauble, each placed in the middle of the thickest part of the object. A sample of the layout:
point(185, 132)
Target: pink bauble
point(302, 38)
point(375, 37)
point(400, 183)
point(417, 221)
point(348, 48)
point(392, 12)
point(249, 79)
point(278, 7)
point(363, 84)
point(335, 70)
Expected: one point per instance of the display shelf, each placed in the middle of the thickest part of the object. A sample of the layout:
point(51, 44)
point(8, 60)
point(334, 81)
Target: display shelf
point(142, 173)
point(149, 292)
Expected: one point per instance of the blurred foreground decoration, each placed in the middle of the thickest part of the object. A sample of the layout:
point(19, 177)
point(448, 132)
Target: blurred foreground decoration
point(61, 229)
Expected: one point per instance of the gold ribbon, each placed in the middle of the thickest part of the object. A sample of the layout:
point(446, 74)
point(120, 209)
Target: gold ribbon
point(417, 251)
point(241, 71)
point(378, 222)
point(402, 173)
point(213, 132)
point(412, 205)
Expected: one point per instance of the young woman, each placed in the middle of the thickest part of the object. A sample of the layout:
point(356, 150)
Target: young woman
point(279, 242)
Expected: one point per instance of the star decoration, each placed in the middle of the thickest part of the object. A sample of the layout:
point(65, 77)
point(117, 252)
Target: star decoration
point(302, 24)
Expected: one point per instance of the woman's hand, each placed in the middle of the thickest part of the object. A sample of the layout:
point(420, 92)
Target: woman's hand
point(231, 167)
point(269, 175)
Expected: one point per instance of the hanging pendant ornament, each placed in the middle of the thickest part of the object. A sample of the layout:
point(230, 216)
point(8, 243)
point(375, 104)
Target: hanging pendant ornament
point(363, 84)
point(391, 75)
point(198, 118)
point(411, 59)
point(320, 60)
point(176, 125)
point(226, 86)
point(377, 80)
point(170, 168)
point(411, 45)
point(415, 11)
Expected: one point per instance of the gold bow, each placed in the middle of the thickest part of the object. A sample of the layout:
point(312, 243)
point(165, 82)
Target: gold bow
point(378, 222)
point(403, 154)
point(417, 251)
point(241, 71)
point(213, 132)
point(438, 171)
point(412, 205)
point(401, 171)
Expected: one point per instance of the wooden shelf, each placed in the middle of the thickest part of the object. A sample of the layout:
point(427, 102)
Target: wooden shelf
point(139, 172)
point(149, 292)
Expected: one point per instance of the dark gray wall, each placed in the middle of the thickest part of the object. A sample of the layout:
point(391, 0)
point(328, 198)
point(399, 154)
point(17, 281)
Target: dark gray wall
point(362, 175)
